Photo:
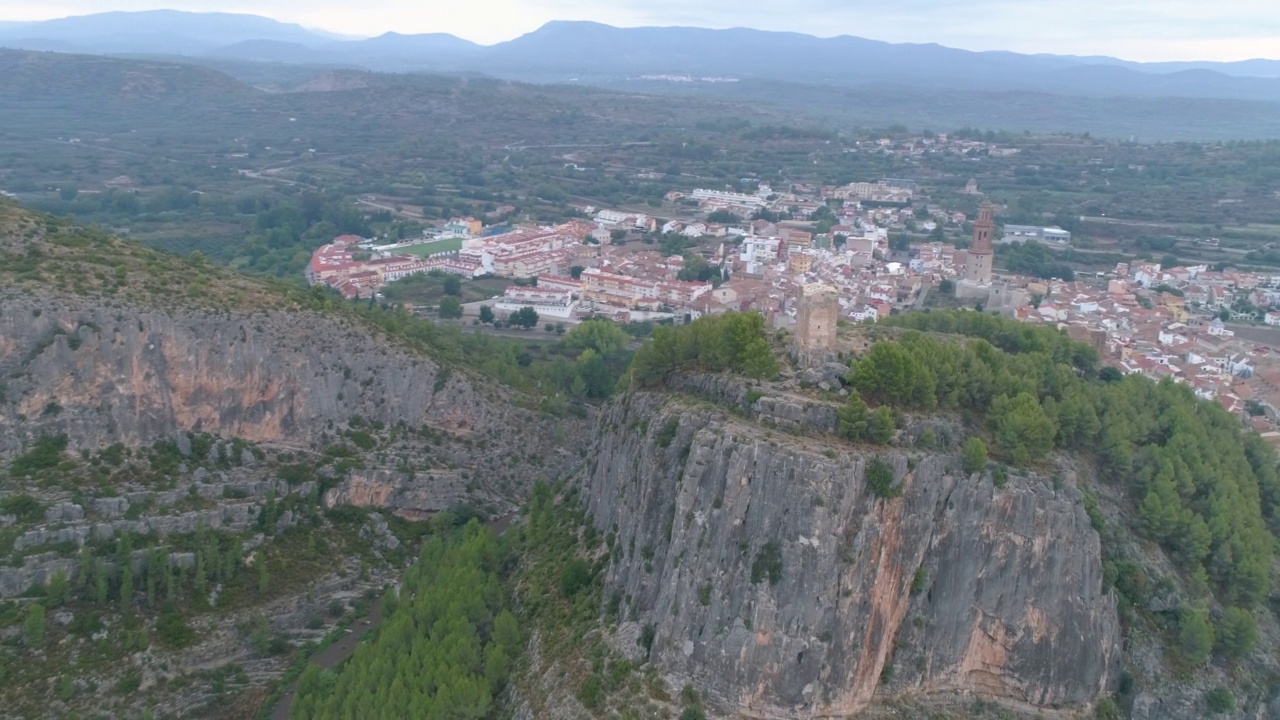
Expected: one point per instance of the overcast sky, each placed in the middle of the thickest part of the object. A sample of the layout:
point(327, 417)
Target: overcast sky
point(1133, 29)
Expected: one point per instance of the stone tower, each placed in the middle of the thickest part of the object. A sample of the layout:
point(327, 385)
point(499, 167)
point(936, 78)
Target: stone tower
point(816, 317)
point(977, 269)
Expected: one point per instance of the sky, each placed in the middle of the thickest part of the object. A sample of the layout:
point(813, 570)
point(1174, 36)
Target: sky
point(1146, 30)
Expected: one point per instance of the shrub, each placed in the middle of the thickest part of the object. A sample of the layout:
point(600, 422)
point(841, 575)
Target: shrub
point(1220, 700)
point(44, 454)
point(880, 480)
point(768, 564)
point(295, 474)
point(129, 684)
point(668, 432)
point(647, 634)
point(362, 439)
point(24, 507)
point(1107, 710)
point(919, 581)
point(591, 693)
point(172, 630)
point(575, 577)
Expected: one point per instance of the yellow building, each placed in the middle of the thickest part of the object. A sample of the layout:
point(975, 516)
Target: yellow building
point(1176, 305)
point(799, 263)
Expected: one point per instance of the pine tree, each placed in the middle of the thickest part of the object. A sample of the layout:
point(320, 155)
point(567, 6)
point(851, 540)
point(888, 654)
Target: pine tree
point(267, 518)
point(84, 572)
point(33, 628)
point(264, 581)
point(853, 418)
point(126, 590)
point(101, 580)
point(1237, 633)
point(154, 560)
point(170, 583)
point(1195, 634)
point(974, 455)
point(881, 426)
point(1023, 431)
point(59, 588)
point(201, 576)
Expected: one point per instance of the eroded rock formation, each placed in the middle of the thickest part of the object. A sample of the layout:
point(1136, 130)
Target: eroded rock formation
point(777, 583)
point(104, 373)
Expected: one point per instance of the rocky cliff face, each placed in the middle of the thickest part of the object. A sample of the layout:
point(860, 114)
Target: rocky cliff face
point(105, 372)
point(413, 496)
point(778, 584)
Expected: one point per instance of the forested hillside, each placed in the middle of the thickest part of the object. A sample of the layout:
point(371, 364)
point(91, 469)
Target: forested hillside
point(1196, 482)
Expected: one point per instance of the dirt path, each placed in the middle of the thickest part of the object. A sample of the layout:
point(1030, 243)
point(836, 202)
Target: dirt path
point(333, 655)
point(346, 645)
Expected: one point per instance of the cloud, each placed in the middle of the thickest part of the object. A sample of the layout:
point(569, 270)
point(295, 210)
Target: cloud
point(1136, 29)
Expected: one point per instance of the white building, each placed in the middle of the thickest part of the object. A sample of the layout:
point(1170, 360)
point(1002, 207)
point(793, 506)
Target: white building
point(547, 303)
point(730, 198)
point(1049, 235)
point(758, 252)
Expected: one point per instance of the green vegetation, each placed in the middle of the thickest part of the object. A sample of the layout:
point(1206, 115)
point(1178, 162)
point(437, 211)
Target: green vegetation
point(667, 433)
point(1034, 259)
point(526, 317)
point(1195, 635)
point(1237, 633)
point(880, 480)
point(23, 507)
point(450, 308)
point(44, 454)
point(767, 564)
point(974, 455)
point(575, 577)
point(1220, 700)
point(446, 648)
point(730, 342)
point(431, 288)
point(1205, 490)
point(919, 581)
point(1107, 710)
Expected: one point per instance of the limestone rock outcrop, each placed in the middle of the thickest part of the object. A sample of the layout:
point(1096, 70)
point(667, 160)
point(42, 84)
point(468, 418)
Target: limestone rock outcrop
point(777, 583)
point(103, 372)
point(413, 496)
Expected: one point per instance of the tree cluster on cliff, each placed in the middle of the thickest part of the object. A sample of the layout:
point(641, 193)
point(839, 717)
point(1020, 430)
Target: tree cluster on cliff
point(445, 647)
point(733, 342)
point(1202, 487)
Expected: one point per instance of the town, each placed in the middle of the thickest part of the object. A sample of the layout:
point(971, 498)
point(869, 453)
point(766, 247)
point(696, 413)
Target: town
point(760, 250)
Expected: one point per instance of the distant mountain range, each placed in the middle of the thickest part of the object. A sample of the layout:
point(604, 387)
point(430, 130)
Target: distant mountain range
point(599, 54)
